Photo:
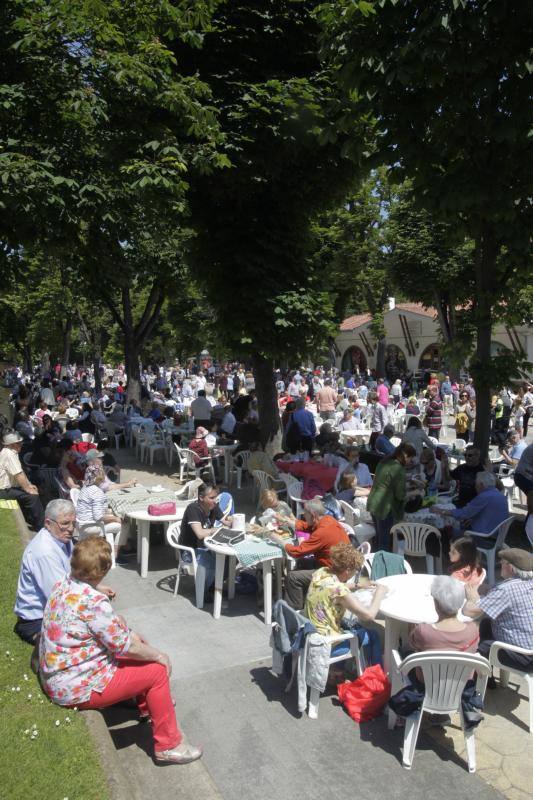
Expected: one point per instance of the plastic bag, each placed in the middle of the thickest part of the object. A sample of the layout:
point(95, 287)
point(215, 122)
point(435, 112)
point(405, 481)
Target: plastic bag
point(364, 698)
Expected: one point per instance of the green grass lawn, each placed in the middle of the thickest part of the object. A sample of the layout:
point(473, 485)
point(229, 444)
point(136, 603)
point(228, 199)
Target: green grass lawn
point(45, 751)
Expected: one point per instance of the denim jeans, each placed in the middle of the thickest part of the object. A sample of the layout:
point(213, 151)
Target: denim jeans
point(383, 535)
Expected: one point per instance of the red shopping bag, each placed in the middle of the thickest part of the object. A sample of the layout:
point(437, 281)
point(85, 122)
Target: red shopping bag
point(364, 698)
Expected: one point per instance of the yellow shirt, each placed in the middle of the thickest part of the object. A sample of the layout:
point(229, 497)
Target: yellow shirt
point(9, 467)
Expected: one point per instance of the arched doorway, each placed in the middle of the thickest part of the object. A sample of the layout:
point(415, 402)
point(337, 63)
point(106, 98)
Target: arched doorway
point(431, 358)
point(352, 358)
point(395, 362)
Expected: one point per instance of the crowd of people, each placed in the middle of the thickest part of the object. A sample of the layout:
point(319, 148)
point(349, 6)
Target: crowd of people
point(88, 657)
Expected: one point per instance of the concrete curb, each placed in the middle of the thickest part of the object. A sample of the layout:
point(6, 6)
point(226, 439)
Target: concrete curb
point(118, 781)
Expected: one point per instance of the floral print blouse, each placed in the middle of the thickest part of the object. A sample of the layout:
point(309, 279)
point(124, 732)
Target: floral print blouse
point(322, 606)
point(80, 641)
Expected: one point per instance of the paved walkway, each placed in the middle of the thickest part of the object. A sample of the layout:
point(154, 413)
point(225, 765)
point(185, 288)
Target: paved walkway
point(256, 743)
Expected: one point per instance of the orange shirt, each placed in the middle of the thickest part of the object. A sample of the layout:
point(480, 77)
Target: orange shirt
point(327, 533)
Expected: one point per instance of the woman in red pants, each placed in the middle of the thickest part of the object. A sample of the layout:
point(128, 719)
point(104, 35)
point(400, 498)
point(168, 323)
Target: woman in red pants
point(89, 658)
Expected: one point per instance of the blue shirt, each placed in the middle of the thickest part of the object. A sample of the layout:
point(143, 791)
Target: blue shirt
point(305, 422)
point(384, 445)
point(364, 478)
point(45, 561)
point(517, 450)
point(486, 511)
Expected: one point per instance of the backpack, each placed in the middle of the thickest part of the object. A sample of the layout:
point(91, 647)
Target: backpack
point(461, 422)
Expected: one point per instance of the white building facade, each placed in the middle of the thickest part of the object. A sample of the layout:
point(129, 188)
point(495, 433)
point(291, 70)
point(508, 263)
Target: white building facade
point(413, 341)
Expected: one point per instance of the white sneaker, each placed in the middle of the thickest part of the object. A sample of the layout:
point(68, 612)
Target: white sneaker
point(183, 754)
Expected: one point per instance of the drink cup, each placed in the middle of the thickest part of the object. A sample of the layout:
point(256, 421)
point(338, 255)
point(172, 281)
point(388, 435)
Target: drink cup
point(239, 522)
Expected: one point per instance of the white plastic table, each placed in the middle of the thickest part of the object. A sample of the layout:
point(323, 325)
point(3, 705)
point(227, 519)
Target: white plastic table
point(227, 450)
point(143, 520)
point(222, 551)
point(408, 601)
point(360, 436)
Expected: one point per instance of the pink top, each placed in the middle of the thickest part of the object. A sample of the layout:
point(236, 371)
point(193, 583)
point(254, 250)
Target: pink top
point(468, 575)
point(383, 395)
point(426, 636)
point(80, 641)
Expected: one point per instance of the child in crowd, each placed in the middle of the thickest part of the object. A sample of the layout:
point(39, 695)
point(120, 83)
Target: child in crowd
point(347, 487)
point(465, 561)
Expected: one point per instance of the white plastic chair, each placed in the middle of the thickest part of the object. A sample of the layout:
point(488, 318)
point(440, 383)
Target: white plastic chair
point(143, 435)
point(363, 531)
point(88, 528)
point(498, 535)
point(190, 490)
point(154, 444)
point(415, 535)
point(506, 475)
point(445, 674)
point(295, 497)
point(365, 548)
point(187, 567)
point(188, 465)
point(185, 462)
point(354, 652)
point(264, 481)
point(505, 671)
point(240, 463)
point(369, 557)
point(289, 480)
point(64, 492)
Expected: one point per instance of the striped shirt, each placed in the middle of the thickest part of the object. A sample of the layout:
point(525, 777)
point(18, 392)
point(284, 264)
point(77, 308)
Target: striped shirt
point(434, 415)
point(92, 504)
point(510, 608)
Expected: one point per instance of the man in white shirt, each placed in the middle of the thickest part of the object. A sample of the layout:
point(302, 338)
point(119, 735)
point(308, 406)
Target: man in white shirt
point(201, 411)
point(14, 484)
point(45, 561)
point(47, 395)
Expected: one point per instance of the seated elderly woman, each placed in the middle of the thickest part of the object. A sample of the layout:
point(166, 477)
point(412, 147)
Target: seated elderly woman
point(89, 658)
point(329, 597)
point(92, 506)
point(448, 633)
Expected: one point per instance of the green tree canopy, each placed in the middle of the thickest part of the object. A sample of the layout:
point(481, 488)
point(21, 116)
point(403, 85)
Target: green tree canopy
point(293, 145)
point(448, 84)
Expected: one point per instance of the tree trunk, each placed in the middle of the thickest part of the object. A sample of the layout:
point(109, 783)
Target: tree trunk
point(97, 361)
point(28, 362)
point(67, 331)
point(380, 357)
point(131, 363)
point(447, 325)
point(45, 361)
point(267, 402)
point(485, 267)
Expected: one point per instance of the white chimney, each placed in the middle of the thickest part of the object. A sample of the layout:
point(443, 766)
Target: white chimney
point(392, 303)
